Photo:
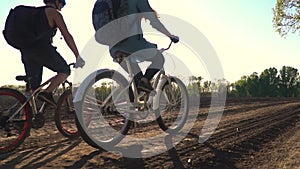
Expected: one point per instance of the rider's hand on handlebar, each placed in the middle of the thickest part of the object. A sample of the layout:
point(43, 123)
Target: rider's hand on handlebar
point(79, 62)
point(174, 38)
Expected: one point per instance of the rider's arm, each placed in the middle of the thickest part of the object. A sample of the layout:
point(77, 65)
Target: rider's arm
point(60, 23)
point(144, 6)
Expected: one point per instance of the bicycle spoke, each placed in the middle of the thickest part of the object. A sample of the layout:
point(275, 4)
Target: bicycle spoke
point(173, 108)
point(65, 116)
point(15, 119)
point(104, 108)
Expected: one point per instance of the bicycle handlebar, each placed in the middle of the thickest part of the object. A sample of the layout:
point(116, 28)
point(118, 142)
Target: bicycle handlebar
point(164, 49)
point(71, 64)
point(174, 39)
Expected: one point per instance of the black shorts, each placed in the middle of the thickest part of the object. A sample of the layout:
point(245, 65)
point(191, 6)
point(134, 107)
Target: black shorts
point(35, 59)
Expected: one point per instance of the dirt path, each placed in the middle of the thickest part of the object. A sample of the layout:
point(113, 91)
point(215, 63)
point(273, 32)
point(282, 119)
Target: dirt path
point(252, 134)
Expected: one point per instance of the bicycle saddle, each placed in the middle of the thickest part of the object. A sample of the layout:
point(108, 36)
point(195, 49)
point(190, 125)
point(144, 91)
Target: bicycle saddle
point(119, 56)
point(23, 78)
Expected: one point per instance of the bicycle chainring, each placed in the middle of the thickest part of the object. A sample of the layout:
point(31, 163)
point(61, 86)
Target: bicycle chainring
point(38, 121)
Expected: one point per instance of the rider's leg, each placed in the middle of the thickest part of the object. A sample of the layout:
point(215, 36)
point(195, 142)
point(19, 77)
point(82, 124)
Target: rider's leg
point(56, 81)
point(157, 63)
point(136, 70)
point(57, 63)
point(138, 74)
point(34, 70)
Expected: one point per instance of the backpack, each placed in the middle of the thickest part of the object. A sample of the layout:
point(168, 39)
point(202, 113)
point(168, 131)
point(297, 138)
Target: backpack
point(110, 21)
point(20, 26)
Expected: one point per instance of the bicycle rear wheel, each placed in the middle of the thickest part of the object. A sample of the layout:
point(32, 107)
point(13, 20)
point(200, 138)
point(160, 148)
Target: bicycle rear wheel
point(65, 115)
point(103, 119)
point(14, 131)
point(173, 105)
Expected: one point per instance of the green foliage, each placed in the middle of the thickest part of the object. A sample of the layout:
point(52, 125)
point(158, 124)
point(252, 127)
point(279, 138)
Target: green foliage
point(20, 88)
point(241, 87)
point(194, 86)
point(286, 16)
point(270, 83)
point(289, 82)
point(104, 90)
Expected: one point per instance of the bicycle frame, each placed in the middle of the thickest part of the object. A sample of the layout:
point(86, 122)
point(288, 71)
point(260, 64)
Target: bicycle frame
point(31, 98)
point(159, 80)
point(31, 101)
point(22, 112)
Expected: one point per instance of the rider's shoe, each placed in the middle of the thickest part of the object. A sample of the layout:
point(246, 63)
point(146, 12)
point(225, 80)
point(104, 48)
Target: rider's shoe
point(47, 97)
point(144, 85)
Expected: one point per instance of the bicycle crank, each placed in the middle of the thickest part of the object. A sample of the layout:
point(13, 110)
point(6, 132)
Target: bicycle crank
point(38, 121)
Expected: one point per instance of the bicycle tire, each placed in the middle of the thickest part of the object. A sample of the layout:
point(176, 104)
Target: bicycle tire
point(65, 116)
point(13, 134)
point(172, 108)
point(112, 123)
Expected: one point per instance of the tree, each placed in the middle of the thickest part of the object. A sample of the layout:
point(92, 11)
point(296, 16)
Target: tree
point(194, 86)
point(206, 87)
point(298, 87)
point(269, 82)
point(286, 16)
point(199, 79)
point(288, 83)
point(253, 85)
point(241, 87)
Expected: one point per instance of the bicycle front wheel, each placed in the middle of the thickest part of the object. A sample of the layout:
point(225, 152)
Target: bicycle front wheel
point(65, 115)
point(104, 110)
point(15, 120)
point(173, 105)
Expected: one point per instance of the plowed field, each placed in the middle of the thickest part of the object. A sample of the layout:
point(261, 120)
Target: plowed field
point(253, 133)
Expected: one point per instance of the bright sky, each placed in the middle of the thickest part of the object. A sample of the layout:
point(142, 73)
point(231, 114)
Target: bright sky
point(240, 31)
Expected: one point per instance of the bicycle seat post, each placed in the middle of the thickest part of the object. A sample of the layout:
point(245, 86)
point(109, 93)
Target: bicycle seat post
point(29, 94)
point(32, 98)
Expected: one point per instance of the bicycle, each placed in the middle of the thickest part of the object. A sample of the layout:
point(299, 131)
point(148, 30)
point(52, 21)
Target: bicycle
point(105, 114)
point(20, 113)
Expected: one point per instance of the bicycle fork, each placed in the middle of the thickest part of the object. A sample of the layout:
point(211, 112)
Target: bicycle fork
point(163, 79)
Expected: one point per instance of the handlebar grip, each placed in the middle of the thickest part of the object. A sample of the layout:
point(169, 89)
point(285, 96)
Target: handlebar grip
point(174, 39)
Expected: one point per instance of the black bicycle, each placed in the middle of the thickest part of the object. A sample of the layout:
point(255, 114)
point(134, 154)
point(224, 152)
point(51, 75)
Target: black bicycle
point(20, 113)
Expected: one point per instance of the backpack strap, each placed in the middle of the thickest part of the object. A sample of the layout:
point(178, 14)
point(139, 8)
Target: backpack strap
point(116, 5)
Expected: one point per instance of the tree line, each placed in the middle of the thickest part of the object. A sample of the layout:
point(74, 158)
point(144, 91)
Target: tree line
point(269, 83)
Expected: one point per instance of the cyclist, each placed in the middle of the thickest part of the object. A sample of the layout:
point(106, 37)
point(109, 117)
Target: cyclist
point(44, 54)
point(136, 43)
